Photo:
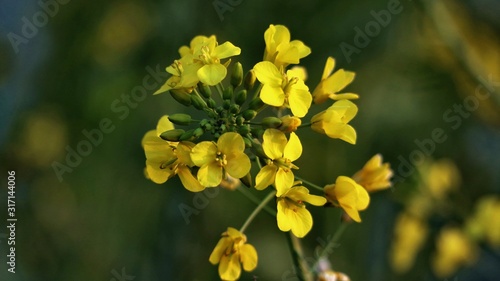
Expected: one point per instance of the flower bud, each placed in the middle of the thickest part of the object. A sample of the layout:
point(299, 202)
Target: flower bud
point(249, 114)
point(256, 104)
point(247, 180)
point(248, 142)
point(249, 80)
point(205, 90)
point(240, 97)
point(197, 102)
point(227, 94)
point(244, 130)
point(198, 132)
point(172, 135)
point(181, 97)
point(187, 135)
point(271, 122)
point(237, 75)
point(180, 119)
point(211, 103)
point(234, 108)
point(289, 124)
point(226, 104)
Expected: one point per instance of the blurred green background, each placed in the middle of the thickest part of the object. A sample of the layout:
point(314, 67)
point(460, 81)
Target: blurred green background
point(102, 218)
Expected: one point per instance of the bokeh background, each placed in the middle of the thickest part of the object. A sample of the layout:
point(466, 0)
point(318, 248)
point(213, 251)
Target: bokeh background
point(102, 220)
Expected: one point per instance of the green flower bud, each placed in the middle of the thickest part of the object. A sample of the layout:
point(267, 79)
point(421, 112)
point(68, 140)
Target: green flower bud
point(259, 151)
point(249, 80)
point(247, 180)
point(244, 130)
point(256, 104)
point(172, 135)
point(180, 119)
point(205, 90)
point(271, 122)
point(239, 120)
point(211, 103)
point(249, 114)
point(227, 94)
point(181, 97)
point(248, 142)
point(197, 102)
point(187, 135)
point(198, 132)
point(240, 97)
point(234, 108)
point(226, 104)
point(237, 75)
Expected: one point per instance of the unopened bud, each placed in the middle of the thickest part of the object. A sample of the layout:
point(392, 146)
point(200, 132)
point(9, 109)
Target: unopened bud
point(256, 104)
point(187, 135)
point(249, 80)
point(240, 97)
point(227, 94)
point(244, 130)
point(234, 108)
point(271, 122)
point(197, 102)
point(181, 97)
point(198, 132)
point(180, 119)
point(205, 90)
point(237, 75)
point(172, 135)
point(249, 114)
point(290, 123)
point(211, 103)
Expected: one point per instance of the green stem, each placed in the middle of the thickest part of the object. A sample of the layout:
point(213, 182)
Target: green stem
point(310, 184)
point(220, 90)
point(296, 252)
point(305, 125)
point(255, 200)
point(331, 244)
point(257, 210)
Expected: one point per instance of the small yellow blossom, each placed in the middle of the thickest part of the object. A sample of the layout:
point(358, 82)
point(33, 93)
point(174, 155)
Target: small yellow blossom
point(281, 153)
point(280, 50)
point(167, 159)
point(333, 121)
point(349, 195)
point(292, 212)
point(454, 250)
point(215, 159)
point(374, 176)
point(283, 90)
point(184, 76)
point(484, 224)
point(441, 177)
point(289, 124)
point(331, 84)
point(231, 252)
point(410, 233)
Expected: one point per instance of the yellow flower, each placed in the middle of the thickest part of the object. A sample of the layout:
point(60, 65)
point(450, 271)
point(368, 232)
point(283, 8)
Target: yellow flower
point(333, 121)
point(167, 159)
point(282, 153)
point(351, 196)
point(454, 250)
point(231, 252)
point(184, 76)
point(410, 233)
point(215, 159)
point(292, 212)
point(279, 49)
point(485, 223)
point(330, 84)
point(205, 50)
point(280, 89)
point(442, 176)
point(374, 176)
point(289, 123)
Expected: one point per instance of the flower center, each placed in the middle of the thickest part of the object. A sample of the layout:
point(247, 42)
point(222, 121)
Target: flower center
point(205, 56)
point(221, 159)
point(284, 163)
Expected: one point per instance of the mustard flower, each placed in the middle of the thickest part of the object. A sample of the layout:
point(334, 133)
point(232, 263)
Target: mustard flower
point(292, 213)
point(215, 159)
point(484, 224)
point(184, 76)
point(331, 84)
point(167, 159)
point(282, 153)
point(289, 123)
point(374, 175)
point(454, 250)
point(349, 195)
point(231, 252)
point(280, 50)
point(333, 121)
point(283, 90)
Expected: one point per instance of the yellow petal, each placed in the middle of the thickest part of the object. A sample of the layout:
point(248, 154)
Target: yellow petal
point(229, 267)
point(342, 131)
point(265, 177)
point(183, 152)
point(163, 125)
point(219, 250)
point(293, 148)
point(226, 50)
point(287, 54)
point(274, 142)
point(212, 74)
point(210, 175)
point(203, 153)
point(281, 216)
point(344, 96)
point(238, 165)
point(268, 74)
point(339, 80)
point(302, 49)
point(273, 96)
point(352, 213)
point(363, 198)
point(188, 180)
point(293, 217)
point(297, 71)
point(329, 66)
point(230, 143)
point(284, 181)
point(156, 174)
point(299, 99)
point(248, 257)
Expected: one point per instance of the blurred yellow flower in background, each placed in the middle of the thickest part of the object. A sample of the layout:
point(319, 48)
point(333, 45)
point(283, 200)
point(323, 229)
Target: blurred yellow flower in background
point(231, 252)
point(292, 213)
point(349, 195)
point(374, 175)
point(331, 84)
point(333, 121)
point(214, 159)
point(453, 250)
point(484, 224)
point(280, 50)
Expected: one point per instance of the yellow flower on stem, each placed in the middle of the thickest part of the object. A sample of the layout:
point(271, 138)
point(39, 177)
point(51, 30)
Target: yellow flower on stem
point(331, 84)
point(215, 159)
point(166, 159)
point(349, 195)
point(289, 124)
point(280, 50)
point(374, 175)
point(292, 213)
point(282, 153)
point(283, 90)
point(231, 252)
point(333, 121)
point(184, 76)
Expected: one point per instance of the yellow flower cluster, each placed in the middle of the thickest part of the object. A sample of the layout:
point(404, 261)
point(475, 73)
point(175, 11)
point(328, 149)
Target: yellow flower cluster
point(223, 147)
